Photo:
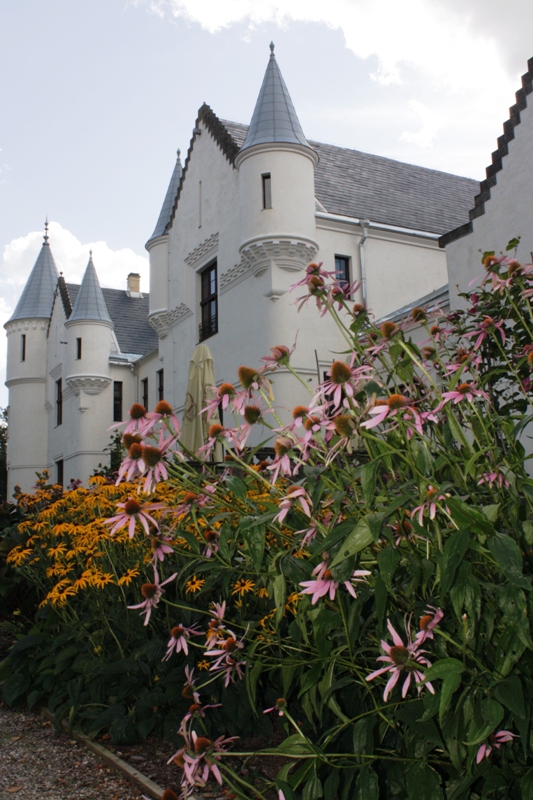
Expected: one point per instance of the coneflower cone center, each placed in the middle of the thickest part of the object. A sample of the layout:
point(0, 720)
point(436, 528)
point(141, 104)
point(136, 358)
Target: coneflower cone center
point(344, 425)
point(252, 414)
point(309, 422)
point(418, 314)
point(201, 744)
point(137, 411)
point(424, 621)
point(163, 408)
point(148, 590)
point(132, 507)
point(190, 497)
point(328, 575)
point(129, 438)
point(151, 455)
point(315, 285)
point(340, 373)
point(299, 411)
point(282, 446)
point(168, 794)
point(399, 655)
point(247, 376)
point(195, 707)
point(176, 631)
point(463, 388)
point(135, 451)
point(388, 329)
point(226, 389)
point(187, 691)
point(215, 430)
point(396, 401)
point(230, 645)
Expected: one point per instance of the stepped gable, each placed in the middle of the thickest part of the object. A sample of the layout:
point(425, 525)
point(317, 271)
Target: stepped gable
point(365, 186)
point(130, 318)
point(497, 157)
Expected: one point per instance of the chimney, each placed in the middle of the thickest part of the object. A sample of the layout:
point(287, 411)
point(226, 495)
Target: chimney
point(134, 285)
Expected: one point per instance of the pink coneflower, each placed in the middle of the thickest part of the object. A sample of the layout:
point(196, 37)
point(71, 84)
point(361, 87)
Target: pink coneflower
point(394, 405)
point(325, 584)
point(343, 381)
point(152, 593)
point(189, 692)
point(279, 707)
point(282, 463)
point(197, 768)
point(197, 711)
point(492, 478)
point(231, 668)
point(402, 657)
point(495, 740)
point(294, 494)
point(486, 327)
point(179, 636)
point(430, 504)
point(280, 355)
point(137, 421)
point(465, 391)
point(160, 548)
point(133, 512)
point(211, 537)
point(162, 411)
point(429, 620)
point(133, 464)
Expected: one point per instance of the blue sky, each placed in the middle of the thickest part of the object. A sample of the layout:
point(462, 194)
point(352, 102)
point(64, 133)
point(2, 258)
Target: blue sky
point(96, 96)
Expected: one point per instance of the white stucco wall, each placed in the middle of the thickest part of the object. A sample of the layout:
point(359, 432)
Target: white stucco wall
point(508, 212)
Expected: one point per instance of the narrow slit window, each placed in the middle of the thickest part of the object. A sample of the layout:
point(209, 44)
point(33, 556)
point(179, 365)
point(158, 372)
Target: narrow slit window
point(342, 269)
point(117, 401)
point(59, 402)
point(78, 349)
point(267, 190)
point(160, 384)
point(209, 302)
point(144, 384)
point(60, 476)
point(23, 348)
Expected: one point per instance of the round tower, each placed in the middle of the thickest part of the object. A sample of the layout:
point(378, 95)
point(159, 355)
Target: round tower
point(276, 182)
point(157, 246)
point(26, 374)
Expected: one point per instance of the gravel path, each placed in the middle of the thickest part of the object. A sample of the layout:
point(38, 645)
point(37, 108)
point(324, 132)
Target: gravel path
point(38, 764)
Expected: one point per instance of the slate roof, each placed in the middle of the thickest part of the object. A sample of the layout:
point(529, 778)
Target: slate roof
point(503, 148)
point(165, 215)
point(274, 118)
point(364, 186)
point(130, 318)
point(38, 295)
point(90, 303)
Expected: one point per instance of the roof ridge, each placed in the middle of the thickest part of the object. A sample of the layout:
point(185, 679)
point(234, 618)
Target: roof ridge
point(492, 170)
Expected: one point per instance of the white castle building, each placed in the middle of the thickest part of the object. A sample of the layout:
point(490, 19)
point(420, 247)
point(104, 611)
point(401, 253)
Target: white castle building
point(251, 206)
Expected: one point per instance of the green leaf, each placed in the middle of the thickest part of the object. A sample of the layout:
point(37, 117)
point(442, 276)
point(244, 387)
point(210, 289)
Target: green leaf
point(510, 648)
point(507, 555)
point(444, 668)
point(293, 745)
point(357, 540)
point(280, 595)
point(368, 481)
point(454, 551)
point(423, 783)
point(15, 687)
point(526, 785)
point(254, 539)
point(331, 785)
point(509, 692)
point(482, 725)
point(388, 560)
point(491, 512)
point(236, 486)
point(367, 785)
point(312, 789)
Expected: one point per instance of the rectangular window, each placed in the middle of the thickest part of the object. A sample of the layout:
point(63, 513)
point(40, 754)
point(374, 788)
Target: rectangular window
point(117, 401)
point(144, 399)
point(342, 269)
point(267, 190)
point(23, 347)
point(60, 477)
point(209, 302)
point(160, 384)
point(59, 402)
point(78, 349)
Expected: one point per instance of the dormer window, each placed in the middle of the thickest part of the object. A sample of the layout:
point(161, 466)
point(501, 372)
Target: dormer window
point(267, 190)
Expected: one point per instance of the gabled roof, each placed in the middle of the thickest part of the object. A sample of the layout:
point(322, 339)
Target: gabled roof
point(38, 295)
point(503, 148)
point(364, 186)
point(168, 203)
point(274, 118)
point(130, 318)
point(90, 303)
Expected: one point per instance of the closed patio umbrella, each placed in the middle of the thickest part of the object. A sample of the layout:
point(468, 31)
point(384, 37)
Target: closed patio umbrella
point(201, 389)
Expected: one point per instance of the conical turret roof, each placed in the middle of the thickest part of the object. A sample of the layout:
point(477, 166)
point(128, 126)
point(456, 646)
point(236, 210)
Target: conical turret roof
point(38, 296)
point(274, 118)
point(90, 303)
point(168, 203)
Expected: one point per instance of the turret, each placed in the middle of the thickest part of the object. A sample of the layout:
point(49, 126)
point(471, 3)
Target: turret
point(276, 182)
point(157, 246)
point(27, 331)
point(90, 338)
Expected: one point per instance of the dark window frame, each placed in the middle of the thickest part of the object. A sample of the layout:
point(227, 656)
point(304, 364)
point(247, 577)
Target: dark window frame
point(144, 399)
point(160, 384)
point(78, 348)
point(208, 301)
point(60, 471)
point(343, 269)
point(118, 396)
point(23, 348)
point(266, 186)
point(59, 402)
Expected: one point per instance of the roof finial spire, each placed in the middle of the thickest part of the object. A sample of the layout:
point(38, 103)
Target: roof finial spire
point(46, 231)
point(90, 254)
point(272, 45)
point(178, 153)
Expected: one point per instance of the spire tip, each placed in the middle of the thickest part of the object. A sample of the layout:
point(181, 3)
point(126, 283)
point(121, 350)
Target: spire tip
point(272, 45)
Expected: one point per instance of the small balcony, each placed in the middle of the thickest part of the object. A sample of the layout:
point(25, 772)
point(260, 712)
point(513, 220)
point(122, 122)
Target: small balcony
point(208, 328)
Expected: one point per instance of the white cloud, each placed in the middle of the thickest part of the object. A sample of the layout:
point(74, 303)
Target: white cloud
point(430, 126)
point(71, 257)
